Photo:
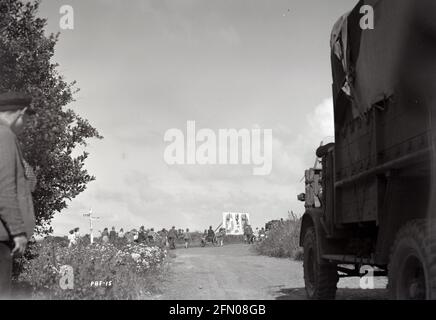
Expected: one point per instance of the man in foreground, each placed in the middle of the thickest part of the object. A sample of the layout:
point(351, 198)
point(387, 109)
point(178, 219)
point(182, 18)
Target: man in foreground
point(17, 181)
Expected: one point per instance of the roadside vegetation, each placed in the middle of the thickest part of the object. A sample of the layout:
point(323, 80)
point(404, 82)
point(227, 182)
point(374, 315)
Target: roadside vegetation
point(99, 271)
point(282, 240)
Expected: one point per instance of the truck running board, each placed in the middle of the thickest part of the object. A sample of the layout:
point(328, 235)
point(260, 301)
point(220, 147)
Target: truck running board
point(337, 258)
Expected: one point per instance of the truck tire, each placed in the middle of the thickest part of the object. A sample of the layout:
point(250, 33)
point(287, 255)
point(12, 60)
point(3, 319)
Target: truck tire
point(412, 265)
point(320, 277)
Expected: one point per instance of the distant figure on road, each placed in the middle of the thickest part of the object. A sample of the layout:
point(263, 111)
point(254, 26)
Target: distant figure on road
point(187, 238)
point(71, 238)
point(172, 236)
point(256, 234)
point(262, 234)
point(113, 235)
point(151, 236)
point(210, 235)
point(121, 233)
point(220, 236)
point(266, 233)
point(142, 235)
point(163, 234)
point(76, 234)
point(248, 233)
point(135, 235)
point(130, 236)
point(180, 233)
point(105, 235)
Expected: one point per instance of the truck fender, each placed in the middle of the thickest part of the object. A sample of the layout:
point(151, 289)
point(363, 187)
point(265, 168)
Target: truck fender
point(311, 218)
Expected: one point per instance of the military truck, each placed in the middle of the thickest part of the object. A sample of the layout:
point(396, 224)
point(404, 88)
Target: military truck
point(372, 202)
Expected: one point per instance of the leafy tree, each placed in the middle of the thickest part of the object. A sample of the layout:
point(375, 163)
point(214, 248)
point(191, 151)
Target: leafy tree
point(51, 140)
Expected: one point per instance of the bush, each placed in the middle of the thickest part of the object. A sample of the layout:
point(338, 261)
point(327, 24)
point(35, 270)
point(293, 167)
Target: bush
point(127, 271)
point(282, 240)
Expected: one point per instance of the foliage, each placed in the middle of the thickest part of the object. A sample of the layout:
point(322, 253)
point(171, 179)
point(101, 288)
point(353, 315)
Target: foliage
point(282, 240)
point(125, 271)
point(54, 133)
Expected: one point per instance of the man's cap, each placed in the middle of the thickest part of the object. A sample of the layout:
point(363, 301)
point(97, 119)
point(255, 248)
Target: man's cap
point(13, 101)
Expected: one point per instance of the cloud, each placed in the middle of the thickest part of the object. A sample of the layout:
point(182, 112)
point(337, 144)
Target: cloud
point(148, 66)
point(294, 151)
point(321, 119)
point(143, 190)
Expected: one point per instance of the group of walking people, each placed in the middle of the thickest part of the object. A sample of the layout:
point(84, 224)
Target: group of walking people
point(149, 236)
point(212, 237)
point(251, 236)
point(163, 237)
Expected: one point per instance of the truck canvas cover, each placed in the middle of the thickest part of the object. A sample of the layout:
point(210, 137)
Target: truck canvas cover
point(370, 65)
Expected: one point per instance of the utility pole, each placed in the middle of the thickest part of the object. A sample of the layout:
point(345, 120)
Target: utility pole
point(91, 218)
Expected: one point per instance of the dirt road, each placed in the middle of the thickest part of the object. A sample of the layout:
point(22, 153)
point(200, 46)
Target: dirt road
point(235, 272)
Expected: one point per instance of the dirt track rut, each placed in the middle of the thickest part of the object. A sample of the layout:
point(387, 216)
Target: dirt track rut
point(235, 272)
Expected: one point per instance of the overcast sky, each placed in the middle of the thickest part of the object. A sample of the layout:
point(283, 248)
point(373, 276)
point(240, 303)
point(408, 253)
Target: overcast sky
point(146, 66)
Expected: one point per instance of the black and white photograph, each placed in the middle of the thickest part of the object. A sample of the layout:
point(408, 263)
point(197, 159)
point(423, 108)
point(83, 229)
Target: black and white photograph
point(241, 152)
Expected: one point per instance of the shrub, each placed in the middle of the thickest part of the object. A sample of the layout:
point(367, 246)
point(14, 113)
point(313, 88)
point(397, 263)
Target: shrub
point(282, 240)
point(126, 271)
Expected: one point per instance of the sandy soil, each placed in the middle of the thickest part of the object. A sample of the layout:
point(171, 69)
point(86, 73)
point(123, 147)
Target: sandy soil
point(236, 272)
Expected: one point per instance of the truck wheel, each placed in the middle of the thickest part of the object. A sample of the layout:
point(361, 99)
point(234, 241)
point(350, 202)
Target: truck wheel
point(412, 266)
point(320, 277)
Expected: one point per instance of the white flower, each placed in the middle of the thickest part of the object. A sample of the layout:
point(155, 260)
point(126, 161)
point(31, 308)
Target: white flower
point(136, 256)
